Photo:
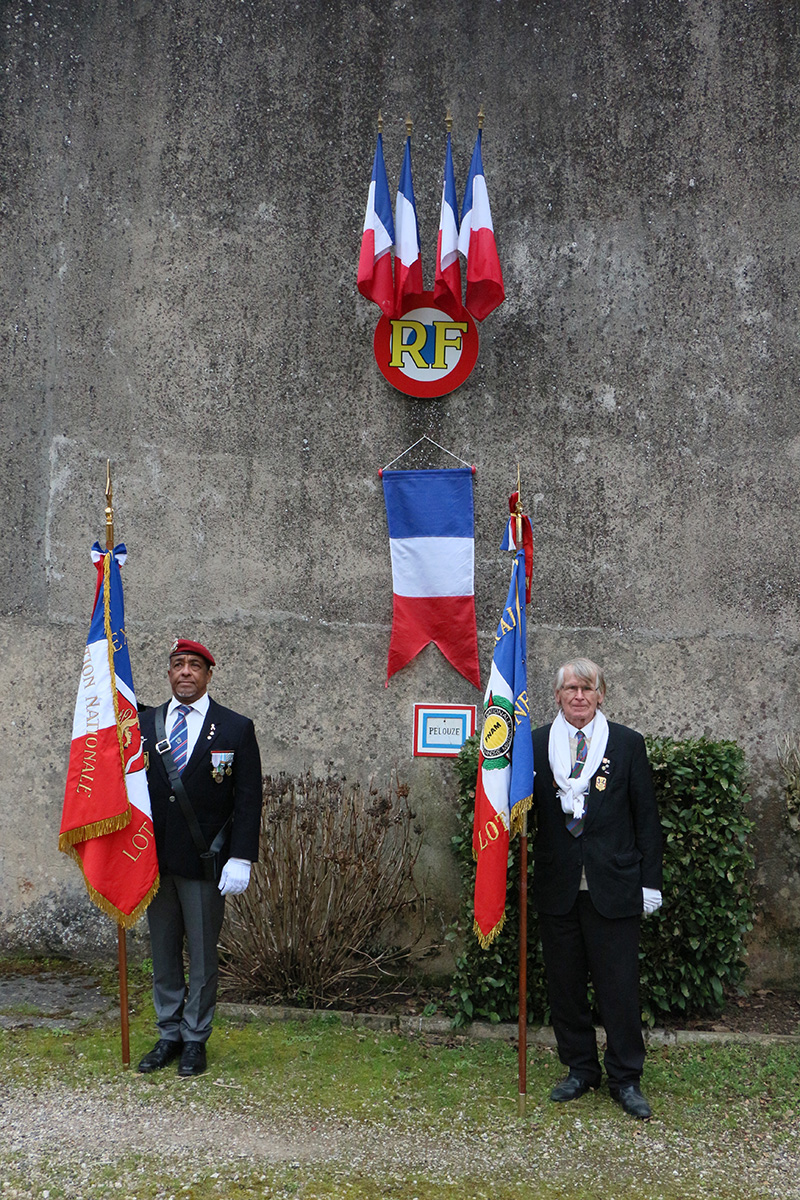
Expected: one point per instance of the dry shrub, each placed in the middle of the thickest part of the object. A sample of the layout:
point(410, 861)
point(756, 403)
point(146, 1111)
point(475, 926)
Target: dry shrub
point(789, 763)
point(332, 911)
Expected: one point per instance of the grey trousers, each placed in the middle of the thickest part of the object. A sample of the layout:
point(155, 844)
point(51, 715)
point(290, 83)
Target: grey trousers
point(189, 910)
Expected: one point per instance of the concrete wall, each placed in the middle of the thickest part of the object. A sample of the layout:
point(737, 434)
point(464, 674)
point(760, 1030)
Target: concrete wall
point(183, 189)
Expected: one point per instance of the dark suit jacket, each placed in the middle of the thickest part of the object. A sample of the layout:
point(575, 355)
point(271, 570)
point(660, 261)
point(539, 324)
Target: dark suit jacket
point(239, 793)
point(620, 846)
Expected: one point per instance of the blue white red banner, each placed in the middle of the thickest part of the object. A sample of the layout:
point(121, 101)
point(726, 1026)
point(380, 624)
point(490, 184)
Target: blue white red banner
point(504, 790)
point(106, 823)
point(476, 242)
point(447, 285)
point(375, 279)
point(407, 262)
point(432, 540)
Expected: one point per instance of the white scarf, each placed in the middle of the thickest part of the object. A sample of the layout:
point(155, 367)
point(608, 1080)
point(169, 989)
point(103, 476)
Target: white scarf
point(572, 792)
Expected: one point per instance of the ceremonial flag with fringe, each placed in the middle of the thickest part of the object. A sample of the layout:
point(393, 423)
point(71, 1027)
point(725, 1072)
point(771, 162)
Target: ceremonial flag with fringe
point(407, 259)
point(375, 280)
point(106, 824)
point(476, 242)
point(447, 285)
point(504, 790)
point(432, 540)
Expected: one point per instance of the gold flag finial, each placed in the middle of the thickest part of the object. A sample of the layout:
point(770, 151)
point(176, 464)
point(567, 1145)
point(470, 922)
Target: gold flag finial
point(518, 509)
point(481, 115)
point(409, 126)
point(448, 121)
point(109, 509)
point(380, 121)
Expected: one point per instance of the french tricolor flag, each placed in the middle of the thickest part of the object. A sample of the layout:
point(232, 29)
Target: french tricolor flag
point(375, 261)
point(106, 823)
point(448, 267)
point(432, 539)
point(476, 242)
point(407, 259)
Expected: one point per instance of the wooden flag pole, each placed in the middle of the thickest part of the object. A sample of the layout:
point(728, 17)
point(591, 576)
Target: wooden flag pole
point(122, 944)
point(522, 1067)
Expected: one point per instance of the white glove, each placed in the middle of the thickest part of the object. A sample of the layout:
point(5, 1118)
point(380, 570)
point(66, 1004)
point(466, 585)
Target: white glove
point(651, 899)
point(235, 876)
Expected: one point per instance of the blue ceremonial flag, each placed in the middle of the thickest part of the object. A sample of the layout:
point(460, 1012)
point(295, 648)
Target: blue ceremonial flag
point(504, 789)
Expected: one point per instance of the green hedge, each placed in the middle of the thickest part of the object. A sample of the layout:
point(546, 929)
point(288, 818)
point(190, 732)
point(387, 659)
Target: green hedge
point(692, 949)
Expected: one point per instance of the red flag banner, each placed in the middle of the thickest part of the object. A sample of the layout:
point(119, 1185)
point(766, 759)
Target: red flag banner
point(106, 824)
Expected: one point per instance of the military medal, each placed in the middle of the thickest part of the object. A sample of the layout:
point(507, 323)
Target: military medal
point(221, 764)
point(600, 783)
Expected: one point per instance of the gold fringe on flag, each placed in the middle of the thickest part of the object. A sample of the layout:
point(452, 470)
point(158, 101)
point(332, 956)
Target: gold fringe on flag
point(486, 939)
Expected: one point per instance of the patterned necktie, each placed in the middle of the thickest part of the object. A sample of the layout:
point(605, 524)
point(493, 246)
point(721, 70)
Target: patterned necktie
point(575, 824)
point(179, 737)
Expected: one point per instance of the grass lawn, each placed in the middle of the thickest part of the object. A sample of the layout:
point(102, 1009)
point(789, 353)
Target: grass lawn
point(320, 1111)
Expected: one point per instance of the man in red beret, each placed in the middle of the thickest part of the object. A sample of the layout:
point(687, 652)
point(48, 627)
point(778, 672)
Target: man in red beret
point(204, 776)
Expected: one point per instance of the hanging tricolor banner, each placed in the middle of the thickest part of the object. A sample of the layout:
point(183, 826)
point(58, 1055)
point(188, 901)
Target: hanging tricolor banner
point(426, 343)
point(432, 540)
point(504, 789)
point(106, 824)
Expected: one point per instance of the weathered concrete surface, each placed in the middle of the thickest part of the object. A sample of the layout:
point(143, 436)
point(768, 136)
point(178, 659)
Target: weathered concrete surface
point(183, 189)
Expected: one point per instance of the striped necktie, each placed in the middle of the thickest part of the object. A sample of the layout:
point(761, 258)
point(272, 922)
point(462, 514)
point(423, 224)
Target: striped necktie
point(179, 737)
point(575, 824)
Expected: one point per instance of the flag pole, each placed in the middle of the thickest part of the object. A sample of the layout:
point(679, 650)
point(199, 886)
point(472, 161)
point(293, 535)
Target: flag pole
point(522, 1066)
point(122, 945)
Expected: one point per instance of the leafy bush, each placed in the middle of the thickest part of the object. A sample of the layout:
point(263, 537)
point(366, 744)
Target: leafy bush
point(328, 915)
point(692, 949)
point(485, 982)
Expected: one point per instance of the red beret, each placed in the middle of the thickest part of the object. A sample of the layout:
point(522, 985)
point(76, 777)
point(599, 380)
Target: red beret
point(184, 646)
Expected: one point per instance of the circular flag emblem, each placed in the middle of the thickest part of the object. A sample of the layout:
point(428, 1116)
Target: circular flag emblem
point(498, 731)
point(426, 352)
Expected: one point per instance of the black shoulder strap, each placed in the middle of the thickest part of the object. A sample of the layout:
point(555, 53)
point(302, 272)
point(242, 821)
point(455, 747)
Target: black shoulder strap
point(176, 783)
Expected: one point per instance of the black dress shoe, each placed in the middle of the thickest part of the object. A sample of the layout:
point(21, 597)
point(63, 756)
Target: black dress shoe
point(632, 1101)
point(162, 1053)
point(571, 1088)
point(193, 1059)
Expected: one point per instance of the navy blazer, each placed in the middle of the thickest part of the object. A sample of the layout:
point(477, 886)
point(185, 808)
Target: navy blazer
point(620, 847)
point(239, 793)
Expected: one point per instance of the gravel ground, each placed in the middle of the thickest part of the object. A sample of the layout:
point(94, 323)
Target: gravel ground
point(58, 1137)
point(128, 1117)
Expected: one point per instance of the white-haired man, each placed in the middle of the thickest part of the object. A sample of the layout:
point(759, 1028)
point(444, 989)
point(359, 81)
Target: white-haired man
point(597, 868)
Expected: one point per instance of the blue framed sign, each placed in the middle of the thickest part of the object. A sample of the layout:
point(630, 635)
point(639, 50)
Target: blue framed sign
point(440, 730)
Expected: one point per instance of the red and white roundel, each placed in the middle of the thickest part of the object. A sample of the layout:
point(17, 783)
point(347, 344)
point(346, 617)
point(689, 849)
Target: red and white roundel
point(426, 352)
